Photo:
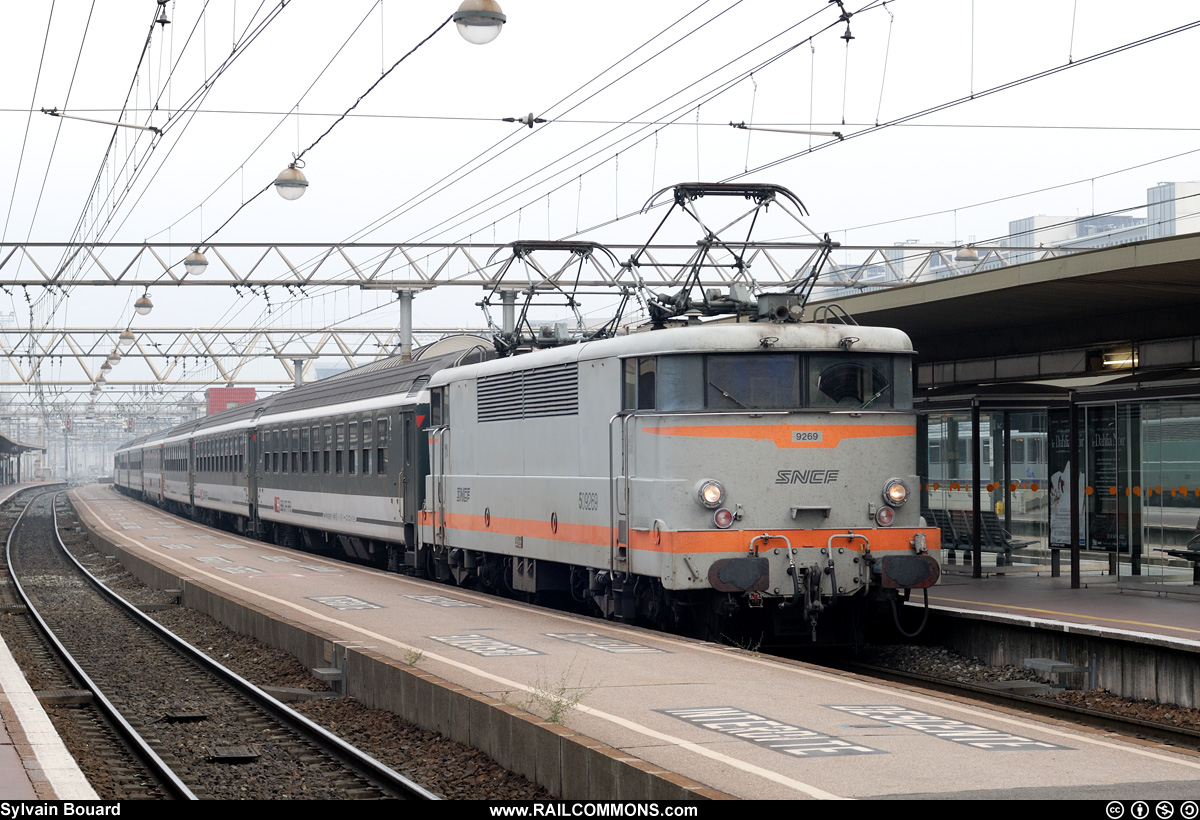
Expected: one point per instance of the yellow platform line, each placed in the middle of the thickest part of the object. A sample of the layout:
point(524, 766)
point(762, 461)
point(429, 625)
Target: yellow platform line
point(1067, 614)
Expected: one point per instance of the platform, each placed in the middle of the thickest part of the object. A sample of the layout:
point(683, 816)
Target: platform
point(1133, 607)
point(714, 719)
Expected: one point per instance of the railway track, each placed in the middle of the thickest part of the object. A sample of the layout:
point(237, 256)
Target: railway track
point(205, 731)
point(1166, 734)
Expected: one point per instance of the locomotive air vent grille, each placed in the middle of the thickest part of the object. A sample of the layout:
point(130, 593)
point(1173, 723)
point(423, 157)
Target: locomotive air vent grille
point(546, 391)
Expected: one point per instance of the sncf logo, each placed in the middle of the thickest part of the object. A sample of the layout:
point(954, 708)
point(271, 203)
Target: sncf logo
point(806, 476)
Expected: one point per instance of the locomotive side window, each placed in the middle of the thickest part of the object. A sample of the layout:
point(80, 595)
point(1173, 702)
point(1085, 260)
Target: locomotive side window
point(646, 383)
point(438, 414)
point(681, 382)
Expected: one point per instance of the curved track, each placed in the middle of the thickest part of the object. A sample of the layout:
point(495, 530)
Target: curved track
point(219, 736)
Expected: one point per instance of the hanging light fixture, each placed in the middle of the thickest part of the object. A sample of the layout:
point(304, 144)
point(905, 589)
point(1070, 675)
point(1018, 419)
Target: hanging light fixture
point(105, 368)
point(143, 305)
point(291, 182)
point(195, 262)
point(125, 339)
point(479, 21)
point(114, 358)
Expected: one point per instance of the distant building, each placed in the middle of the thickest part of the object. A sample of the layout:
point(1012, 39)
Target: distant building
point(223, 398)
point(1173, 208)
point(1037, 232)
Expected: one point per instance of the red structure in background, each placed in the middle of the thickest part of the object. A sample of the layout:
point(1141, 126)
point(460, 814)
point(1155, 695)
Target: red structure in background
point(222, 398)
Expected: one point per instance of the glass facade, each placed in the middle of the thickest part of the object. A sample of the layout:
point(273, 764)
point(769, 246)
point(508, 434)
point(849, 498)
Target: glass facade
point(1138, 474)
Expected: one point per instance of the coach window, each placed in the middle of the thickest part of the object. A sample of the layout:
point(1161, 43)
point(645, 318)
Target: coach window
point(381, 450)
point(368, 428)
point(316, 448)
point(295, 449)
point(264, 437)
point(339, 453)
point(274, 451)
point(304, 447)
point(283, 451)
point(328, 446)
point(352, 449)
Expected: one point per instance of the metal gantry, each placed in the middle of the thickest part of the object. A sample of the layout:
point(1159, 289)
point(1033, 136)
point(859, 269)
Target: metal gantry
point(191, 357)
point(423, 266)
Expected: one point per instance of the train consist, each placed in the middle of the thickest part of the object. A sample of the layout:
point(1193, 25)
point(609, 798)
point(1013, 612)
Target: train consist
point(700, 478)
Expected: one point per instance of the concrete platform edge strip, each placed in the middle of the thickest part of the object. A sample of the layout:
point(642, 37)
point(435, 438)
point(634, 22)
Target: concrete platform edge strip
point(1067, 627)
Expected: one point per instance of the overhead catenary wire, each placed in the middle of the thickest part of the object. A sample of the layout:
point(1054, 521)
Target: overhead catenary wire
point(1039, 75)
point(673, 116)
point(950, 104)
point(468, 167)
point(445, 182)
point(25, 139)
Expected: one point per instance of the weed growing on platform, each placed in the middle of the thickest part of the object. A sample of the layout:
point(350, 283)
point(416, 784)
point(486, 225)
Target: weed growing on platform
point(555, 699)
point(413, 656)
point(745, 644)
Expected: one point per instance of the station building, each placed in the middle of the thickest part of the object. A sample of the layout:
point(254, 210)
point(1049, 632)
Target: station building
point(1071, 377)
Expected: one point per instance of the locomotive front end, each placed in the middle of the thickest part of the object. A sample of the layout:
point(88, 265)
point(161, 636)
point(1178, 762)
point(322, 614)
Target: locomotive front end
point(779, 481)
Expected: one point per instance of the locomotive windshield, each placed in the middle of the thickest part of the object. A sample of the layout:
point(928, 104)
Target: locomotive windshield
point(768, 381)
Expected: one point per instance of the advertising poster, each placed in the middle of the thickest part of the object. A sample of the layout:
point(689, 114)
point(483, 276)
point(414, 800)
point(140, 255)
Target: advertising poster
point(1058, 467)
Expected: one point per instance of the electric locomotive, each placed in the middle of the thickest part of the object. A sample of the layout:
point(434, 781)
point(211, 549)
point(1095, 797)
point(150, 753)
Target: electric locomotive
point(705, 478)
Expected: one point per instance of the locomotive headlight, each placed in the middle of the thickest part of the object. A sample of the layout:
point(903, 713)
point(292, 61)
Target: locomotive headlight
point(709, 493)
point(895, 492)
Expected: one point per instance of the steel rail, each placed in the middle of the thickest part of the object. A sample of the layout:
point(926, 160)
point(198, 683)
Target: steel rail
point(331, 743)
point(170, 780)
